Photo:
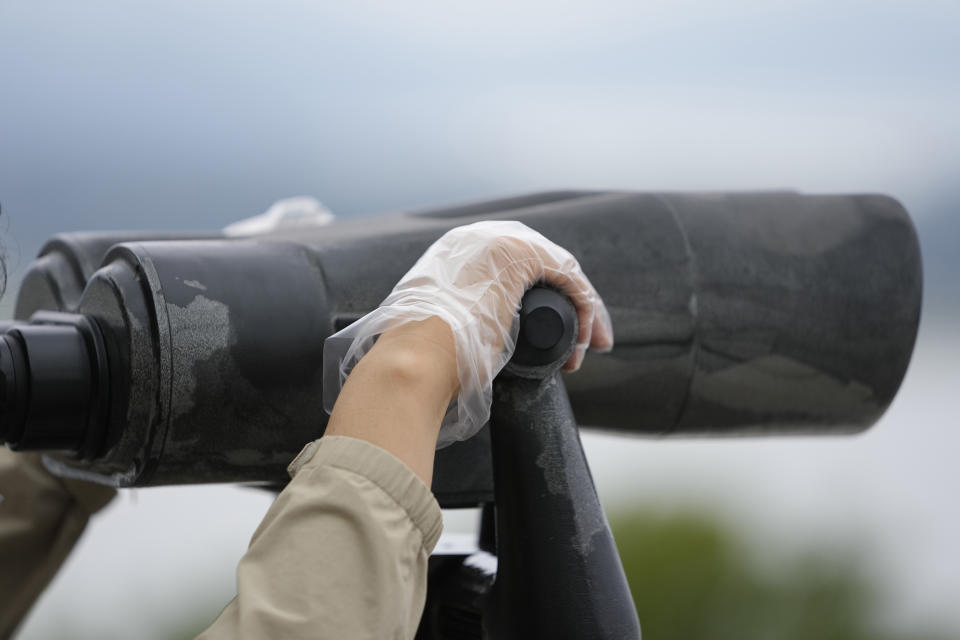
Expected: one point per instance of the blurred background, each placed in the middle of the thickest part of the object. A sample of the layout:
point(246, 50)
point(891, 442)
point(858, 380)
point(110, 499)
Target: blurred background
point(190, 115)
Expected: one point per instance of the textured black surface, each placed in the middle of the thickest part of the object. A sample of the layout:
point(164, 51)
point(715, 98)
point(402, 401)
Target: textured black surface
point(558, 571)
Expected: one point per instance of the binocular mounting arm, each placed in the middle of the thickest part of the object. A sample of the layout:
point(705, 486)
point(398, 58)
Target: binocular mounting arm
point(558, 573)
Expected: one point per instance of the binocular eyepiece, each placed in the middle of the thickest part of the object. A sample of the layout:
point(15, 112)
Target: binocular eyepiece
point(54, 381)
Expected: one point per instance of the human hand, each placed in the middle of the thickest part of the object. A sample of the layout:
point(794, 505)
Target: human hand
point(474, 278)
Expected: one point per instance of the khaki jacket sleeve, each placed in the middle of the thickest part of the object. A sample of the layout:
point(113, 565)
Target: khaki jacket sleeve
point(342, 553)
point(41, 518)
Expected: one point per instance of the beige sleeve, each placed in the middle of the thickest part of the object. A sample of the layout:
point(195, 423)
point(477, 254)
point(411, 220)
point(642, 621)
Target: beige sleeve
point(41, 518)
point(342, 552)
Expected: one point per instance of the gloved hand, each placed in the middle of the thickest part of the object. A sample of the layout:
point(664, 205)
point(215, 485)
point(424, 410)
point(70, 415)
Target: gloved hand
point(474, 278)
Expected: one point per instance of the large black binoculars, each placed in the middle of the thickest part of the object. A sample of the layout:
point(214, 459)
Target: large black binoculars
point(144, 359)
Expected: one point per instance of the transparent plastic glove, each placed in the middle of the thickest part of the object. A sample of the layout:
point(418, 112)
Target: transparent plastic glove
point(473, 278)
point(289, 214)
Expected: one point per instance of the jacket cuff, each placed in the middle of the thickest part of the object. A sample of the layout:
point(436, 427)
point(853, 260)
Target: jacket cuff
point(382, 469)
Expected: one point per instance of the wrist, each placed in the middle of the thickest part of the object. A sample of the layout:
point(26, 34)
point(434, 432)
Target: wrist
point(420, 355)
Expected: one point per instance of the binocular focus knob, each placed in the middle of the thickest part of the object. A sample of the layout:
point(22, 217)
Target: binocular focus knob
point(548, 330)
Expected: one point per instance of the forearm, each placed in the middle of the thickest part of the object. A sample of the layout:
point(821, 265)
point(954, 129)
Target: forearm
point(397, 394)
point(343, 551)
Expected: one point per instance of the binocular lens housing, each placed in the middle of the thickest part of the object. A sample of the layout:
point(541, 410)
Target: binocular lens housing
point(734, 314)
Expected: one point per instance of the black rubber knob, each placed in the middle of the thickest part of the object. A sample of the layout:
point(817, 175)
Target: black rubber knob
point(548, 325)
point(543, 328)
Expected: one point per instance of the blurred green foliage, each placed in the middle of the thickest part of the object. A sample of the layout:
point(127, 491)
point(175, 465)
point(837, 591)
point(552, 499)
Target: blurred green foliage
point(693, 579)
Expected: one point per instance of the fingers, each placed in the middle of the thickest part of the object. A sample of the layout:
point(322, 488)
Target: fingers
point(595, 329)
point(497, 261)
point(602, 339)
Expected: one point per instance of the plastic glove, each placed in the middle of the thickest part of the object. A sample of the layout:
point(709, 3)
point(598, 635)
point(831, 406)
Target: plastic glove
point(289, 214)
point(474, 278)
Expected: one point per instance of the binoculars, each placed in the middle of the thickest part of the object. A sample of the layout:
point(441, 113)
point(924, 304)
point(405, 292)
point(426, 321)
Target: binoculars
point(149, 359)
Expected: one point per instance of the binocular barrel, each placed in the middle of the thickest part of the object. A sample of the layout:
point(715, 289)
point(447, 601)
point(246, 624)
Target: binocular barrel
point(734, 314)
